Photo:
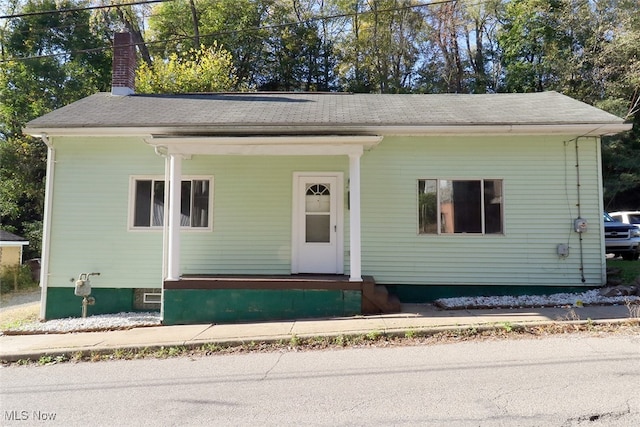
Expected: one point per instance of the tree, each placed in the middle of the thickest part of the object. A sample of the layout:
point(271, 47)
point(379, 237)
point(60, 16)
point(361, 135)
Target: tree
point(43, 67)
point(533, 44)
point(619, 72)
point(621, 169)
point(446, 32)
point(396, 27)
point(204, 70)
point(352, 70)
point(458, 48)
point(233, 24)
point(379, 50)
point(590, 51)
point(294, 55)
point(480, 37)
point(124, 18)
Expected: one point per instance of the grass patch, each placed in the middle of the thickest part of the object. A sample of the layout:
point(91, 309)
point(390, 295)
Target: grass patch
point(411, 333)
point(12, 317)
point(373, 335)
point(629, 270)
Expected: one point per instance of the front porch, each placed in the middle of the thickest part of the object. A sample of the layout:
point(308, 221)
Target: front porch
point(238, 298)
point(315, 195)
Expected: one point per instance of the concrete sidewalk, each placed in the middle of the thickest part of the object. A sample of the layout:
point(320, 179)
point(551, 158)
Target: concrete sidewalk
point(414, 317)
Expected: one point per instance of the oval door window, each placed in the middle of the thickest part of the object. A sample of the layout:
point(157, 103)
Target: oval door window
point(318, 213)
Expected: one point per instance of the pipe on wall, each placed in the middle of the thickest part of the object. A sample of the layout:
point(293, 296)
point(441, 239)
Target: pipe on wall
point(46, 225)
point(579, 205)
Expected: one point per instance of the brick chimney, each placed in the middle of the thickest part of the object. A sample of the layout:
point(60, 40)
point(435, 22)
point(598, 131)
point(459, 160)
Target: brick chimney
point(124, 65)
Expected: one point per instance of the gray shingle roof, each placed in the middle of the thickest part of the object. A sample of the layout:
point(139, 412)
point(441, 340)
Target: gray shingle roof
point(5, 236)
point(320, 110)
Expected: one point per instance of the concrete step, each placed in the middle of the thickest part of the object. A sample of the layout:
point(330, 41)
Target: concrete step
point(377, 300)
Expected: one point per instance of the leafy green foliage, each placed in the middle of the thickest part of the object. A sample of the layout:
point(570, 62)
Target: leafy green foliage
point(30, 88)
point(21, 186)
point(534, 45)
point(381, 50)
point(589, 50)
point(203, 70)
point(621, 169)
point(233, 24)
point(15, 278)
point(619, 69)
point(293, 53)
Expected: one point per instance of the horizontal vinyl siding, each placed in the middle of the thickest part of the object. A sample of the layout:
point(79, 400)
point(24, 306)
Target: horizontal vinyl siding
point(90, 211)
point(540, 198)
point(251, 214)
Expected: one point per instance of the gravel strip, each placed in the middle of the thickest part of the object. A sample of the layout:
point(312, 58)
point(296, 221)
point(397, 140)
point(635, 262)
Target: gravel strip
point(585, 298)
point(129, 320)
point(99, 322)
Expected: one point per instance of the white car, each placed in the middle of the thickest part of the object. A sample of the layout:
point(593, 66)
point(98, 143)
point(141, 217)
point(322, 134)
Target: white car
point(628, 217)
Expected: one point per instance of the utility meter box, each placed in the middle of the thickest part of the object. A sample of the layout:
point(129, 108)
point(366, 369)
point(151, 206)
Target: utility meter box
point(580, 225)
point(563, 250)
point(83, 288)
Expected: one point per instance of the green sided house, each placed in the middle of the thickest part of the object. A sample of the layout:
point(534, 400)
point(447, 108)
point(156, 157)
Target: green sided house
point(257, 206)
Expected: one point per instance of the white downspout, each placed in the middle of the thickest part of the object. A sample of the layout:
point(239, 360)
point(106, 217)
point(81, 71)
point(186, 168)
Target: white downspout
point(600, 224)
point(46, 226)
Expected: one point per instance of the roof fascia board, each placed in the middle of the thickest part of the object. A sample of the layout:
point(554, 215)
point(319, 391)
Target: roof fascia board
point(587, 129)
point(597, 129)
point(267, 145)
point(94, 131)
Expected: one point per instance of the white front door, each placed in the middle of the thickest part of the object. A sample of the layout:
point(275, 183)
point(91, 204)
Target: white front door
point(317, 223)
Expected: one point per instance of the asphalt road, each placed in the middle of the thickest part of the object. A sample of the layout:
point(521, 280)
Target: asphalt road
point(568, 380)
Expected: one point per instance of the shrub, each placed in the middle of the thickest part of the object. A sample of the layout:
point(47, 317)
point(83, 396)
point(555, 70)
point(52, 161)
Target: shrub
point(16, 277)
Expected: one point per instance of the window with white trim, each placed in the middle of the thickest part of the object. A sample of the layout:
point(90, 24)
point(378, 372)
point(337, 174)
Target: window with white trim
point(147, 203)
point(472, 206)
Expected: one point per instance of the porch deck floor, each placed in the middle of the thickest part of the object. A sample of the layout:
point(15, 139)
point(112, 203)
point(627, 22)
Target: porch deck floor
point(266, 281)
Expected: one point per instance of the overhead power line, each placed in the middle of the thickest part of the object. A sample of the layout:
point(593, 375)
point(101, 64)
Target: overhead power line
point(78, 9)
point(251, 29)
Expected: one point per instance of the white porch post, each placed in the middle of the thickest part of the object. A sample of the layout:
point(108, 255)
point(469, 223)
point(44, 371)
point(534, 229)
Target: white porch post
point(354, 217)
point(175, 184)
